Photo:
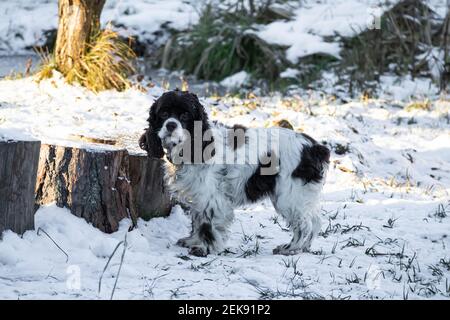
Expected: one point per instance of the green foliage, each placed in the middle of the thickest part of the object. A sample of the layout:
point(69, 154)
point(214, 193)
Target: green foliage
point(222, 44)
point(312, 66)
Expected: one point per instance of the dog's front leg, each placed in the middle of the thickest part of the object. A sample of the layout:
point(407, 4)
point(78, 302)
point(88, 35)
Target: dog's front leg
point(193, 239)
point(208, 231)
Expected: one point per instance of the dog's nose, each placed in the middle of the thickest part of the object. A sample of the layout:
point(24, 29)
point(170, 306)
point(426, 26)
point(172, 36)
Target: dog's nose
point(170, 126)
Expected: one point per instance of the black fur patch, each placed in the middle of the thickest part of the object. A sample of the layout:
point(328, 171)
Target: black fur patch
point(233, 138)
point(260, 186)
point(311, 164)
point(143, 142)
point(205, 232)
point(309, 138)
point(151, 143)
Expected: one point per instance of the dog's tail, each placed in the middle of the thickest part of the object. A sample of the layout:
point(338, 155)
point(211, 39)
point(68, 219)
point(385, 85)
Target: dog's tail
point(313, 163)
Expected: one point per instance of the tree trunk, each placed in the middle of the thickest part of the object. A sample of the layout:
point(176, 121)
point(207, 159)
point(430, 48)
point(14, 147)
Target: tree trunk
point(78, 21)
point(94, 185)
point(18, 167)
point(149, 193)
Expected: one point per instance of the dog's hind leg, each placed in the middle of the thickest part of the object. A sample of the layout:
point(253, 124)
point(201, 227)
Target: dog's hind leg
point(304, 231)
point(302, 215)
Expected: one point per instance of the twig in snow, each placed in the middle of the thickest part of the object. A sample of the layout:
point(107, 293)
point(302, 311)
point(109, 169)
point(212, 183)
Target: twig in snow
point(38, 233)
point(149, 287)
point(106, 265)
point(120, 266)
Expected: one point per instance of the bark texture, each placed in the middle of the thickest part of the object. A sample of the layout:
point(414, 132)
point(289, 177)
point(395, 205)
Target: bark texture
point(79, 20)
point(149, 193)
point(18, 167)
point(103, 187)
point(94, 185)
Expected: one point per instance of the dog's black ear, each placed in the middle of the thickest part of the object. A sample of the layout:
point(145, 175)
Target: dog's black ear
point(150, 141)
point(200, 112)
point(202, 116)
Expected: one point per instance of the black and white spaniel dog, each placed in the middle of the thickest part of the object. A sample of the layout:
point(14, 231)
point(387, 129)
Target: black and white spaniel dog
point(213, 169)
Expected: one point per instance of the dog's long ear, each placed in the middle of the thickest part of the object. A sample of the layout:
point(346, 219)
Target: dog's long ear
point(150, 141)
point(199, 110)
point(201, 115)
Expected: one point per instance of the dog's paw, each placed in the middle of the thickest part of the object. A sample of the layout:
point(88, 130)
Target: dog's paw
point(188, 242)
point(198, 251)
point(286, 250)
point(183, 242)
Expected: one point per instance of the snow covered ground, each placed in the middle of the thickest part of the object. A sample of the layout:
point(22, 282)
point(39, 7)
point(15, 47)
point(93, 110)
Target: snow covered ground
point(24, 22)
point(386, 205)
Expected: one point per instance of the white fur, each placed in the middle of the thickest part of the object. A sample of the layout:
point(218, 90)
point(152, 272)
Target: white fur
point(176, 137)
point(213, 190)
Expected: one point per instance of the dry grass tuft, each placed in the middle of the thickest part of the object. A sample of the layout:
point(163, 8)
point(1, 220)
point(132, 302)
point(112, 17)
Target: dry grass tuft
point(47, 65)
point(419, 105)
point(107, 64)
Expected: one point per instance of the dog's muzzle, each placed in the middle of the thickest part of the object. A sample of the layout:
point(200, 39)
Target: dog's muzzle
point(172, 137)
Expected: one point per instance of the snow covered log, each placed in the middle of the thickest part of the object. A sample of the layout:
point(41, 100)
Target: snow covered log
point(149, 194)
point(18, 168)
point(93, 184)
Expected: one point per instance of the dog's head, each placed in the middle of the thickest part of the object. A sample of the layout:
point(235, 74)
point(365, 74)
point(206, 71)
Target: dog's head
point(177, 118)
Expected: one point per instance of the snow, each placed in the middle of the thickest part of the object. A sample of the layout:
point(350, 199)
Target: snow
point(236, 80)
point(385, 213)
point(403, 88)
point(145, 18)
point(439, 6)
point(12, 134)
point(289, 73)
point(316, 26)
point(314, 20)
point(304, 34)
point(24, 22)
point(66, 112)
point(385, 207)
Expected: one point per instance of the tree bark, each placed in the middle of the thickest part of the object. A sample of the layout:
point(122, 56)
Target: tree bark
point(103, 187)
point(94, 185)
point(18, 168)
point(147, 182)
point(78, 21)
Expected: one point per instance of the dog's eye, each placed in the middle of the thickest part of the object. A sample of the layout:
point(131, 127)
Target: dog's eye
point(164, 115)
point(184, 116)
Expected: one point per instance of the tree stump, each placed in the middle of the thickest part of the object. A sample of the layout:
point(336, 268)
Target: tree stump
point(18, 168)
point(147, 182)
point(93, 184)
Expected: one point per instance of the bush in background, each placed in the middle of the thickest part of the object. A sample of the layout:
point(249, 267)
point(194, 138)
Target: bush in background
point(224, 42)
